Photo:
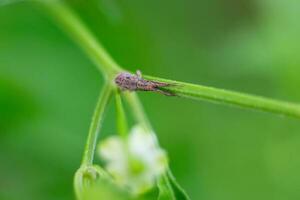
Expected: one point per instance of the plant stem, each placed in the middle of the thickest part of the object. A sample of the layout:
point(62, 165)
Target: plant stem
point(70, 22)
point(90, 146)
point(200, 92)
point(166, 190)
point(121, 117)
point(137, 110)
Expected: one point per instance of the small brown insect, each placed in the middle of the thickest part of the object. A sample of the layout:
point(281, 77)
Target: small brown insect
point(135, 82)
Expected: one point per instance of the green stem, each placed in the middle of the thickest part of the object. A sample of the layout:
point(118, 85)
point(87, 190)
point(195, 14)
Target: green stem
point(70, 22)
point(199, 92)
point(89, 150)
point(121, 117)
point(168, 186)
point(137, 110)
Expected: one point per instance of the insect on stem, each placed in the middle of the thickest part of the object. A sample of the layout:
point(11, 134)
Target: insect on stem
point(135, 82)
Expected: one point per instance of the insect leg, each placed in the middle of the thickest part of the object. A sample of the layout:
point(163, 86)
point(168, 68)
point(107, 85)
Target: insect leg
point(139, 74)
point(164, 92)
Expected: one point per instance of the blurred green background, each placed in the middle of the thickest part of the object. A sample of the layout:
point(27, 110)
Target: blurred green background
point(48, 90)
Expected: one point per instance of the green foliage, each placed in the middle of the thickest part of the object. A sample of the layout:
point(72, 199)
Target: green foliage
point(168, 189)
point(216, 152)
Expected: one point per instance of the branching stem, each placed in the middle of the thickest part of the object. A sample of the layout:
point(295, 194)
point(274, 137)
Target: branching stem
point(89, 150)
point(109, 68)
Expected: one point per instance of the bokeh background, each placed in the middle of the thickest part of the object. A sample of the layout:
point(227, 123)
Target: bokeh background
point(49, 87)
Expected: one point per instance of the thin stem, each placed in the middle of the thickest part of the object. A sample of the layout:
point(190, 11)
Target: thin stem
point(168, 186)
point(121, 117)
point(89, 150)
point(200, 92)
point(78, 183)
point(71, 24)
point(138, 110)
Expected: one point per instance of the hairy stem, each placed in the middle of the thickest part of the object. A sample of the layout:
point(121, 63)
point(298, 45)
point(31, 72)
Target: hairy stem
point(200, 92)
point(89, 150)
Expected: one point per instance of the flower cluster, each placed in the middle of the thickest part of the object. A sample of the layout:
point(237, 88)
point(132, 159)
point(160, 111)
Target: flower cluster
point(136, 161)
